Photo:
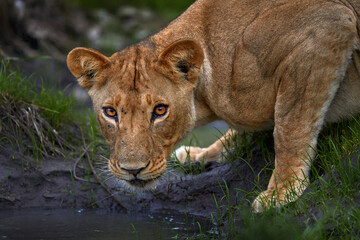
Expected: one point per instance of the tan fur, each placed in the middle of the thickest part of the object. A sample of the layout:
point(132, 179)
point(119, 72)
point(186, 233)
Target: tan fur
point(291, 65)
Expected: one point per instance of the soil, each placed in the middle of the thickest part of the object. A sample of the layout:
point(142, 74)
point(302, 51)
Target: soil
point(51, 183)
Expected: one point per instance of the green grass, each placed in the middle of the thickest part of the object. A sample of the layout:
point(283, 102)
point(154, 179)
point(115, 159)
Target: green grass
point(40, 120)
point(55, 106)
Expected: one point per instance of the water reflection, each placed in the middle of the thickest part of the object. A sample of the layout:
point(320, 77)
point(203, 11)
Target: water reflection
point(94, 224)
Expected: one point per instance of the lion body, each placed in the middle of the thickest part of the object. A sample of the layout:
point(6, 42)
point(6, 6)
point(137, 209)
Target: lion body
point(288, 65)
point(248, 50)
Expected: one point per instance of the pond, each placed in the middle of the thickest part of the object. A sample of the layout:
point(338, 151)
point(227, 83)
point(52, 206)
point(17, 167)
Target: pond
point(91, 224)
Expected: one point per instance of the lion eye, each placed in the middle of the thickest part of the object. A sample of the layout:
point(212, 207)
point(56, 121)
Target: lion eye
point(110, 112)
point(159, 111)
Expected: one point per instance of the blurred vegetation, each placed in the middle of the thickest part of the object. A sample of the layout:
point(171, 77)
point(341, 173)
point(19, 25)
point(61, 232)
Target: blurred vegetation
point(56, 106)
point(167, 9)
point(31, 116)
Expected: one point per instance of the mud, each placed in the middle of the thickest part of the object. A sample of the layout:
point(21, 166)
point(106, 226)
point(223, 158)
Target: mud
point(51, 183)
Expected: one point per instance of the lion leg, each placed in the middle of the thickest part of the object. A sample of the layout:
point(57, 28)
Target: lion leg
point(308, 85)
point(211, 153)
point(295, 138)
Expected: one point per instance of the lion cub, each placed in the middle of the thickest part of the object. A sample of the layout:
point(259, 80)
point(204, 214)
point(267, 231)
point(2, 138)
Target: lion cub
point(290, 65)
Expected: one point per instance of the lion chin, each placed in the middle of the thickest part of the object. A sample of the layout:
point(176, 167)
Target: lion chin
point(139, 184)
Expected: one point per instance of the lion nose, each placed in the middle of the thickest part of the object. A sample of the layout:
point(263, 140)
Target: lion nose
point(133, 171)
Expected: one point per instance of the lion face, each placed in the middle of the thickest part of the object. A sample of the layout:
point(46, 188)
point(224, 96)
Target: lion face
point(143, 102)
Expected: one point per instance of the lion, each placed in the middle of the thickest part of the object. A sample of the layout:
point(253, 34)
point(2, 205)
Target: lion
point(287, 65)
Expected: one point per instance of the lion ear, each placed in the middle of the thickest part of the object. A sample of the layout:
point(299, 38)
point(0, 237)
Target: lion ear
point(182, 59)
point(84, 64)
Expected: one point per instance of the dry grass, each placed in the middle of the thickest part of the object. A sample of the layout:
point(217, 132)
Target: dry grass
point(23, 125)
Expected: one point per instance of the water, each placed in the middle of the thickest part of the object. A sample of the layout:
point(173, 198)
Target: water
point(93, 224)
point(206, 135)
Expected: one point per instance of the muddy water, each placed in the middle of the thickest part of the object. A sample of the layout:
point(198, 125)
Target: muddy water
point(89, 224)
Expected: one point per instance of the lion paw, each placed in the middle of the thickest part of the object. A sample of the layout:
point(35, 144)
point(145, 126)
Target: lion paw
point(270, 199)
point(266, 200)
point(187, 153)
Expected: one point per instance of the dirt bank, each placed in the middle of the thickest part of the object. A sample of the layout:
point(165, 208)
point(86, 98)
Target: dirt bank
point(51, 183)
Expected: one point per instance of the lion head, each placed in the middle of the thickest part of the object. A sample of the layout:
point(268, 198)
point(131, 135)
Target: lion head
point(143, 99)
